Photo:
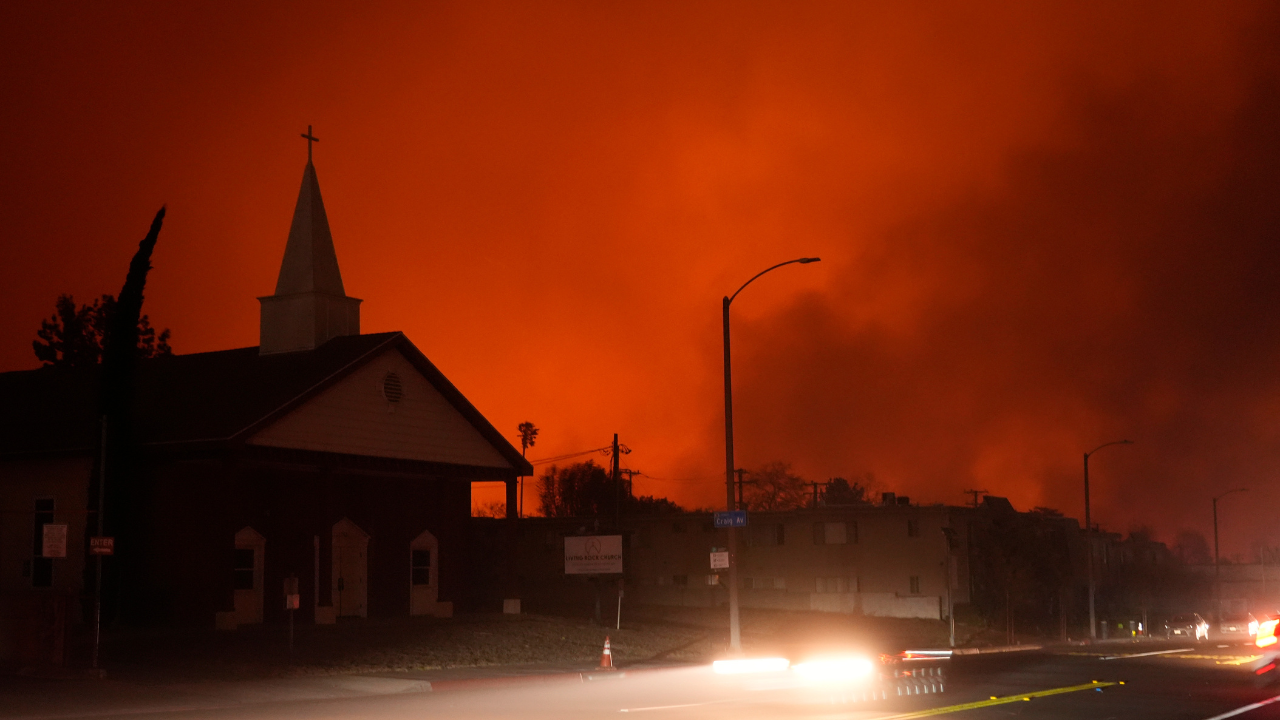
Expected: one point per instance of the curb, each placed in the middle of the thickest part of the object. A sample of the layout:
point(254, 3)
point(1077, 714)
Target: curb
point(584, 676)
point(994, 650)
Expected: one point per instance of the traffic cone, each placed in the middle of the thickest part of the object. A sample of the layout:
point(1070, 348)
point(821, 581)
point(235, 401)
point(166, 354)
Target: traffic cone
point(606, 655)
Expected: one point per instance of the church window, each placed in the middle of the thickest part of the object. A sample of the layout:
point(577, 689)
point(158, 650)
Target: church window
point(41, 567)
point(243, 578)
point(421, 567)
point(392, 389)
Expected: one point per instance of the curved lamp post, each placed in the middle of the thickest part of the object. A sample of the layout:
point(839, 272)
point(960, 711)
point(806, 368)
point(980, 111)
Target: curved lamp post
point(735, 634)
point(1217, 584)
point(1088, 534)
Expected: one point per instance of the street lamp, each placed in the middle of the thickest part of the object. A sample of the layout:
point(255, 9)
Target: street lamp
point(735, 633)
point(1217, 584)
point(1088, 534)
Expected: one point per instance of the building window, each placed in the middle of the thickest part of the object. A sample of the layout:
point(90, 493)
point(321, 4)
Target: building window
point(913, 528)
point(243, 569)
point(915, 584)
point(421, 567)
point(713, 579)
point(767, 535)
point(41, 567)
point(680, 580)
point(832, 585)
point(831, 533)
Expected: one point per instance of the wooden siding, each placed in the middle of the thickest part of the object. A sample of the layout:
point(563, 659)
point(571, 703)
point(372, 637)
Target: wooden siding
point(354, 417)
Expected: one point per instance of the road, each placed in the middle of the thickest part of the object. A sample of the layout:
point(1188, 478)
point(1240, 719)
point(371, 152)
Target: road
point(1150, 680)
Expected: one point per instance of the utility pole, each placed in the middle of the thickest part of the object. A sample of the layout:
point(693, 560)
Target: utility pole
point(617, 485)
point(975, 493)
point(631, 475)
point(740, 472)
point(815, 492)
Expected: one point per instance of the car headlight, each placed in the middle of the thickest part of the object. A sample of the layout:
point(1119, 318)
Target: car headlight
point(742, 666)
point(829, 670)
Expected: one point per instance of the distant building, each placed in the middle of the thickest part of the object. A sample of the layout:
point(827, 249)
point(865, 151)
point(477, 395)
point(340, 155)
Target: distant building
point(881, 560)
point(339, 458)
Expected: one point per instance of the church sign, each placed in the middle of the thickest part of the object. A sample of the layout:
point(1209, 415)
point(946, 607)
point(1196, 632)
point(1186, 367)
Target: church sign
point(593, 555)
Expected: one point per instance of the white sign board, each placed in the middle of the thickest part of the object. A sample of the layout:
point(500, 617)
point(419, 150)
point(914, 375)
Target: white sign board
point(593, 555)
point(719, 560)
point(55, 541)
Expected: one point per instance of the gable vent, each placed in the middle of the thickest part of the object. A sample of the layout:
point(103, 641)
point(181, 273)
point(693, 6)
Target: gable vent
point(392, 390)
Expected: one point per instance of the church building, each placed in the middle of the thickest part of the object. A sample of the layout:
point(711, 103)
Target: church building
point(338, 461)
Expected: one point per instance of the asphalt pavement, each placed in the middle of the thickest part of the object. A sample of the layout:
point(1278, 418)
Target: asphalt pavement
point(1147, 680)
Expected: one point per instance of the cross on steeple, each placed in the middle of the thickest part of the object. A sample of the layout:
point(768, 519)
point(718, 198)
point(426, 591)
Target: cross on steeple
point(310, 140)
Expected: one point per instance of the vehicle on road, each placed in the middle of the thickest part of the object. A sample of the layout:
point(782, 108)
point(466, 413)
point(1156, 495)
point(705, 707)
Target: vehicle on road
point(1187, 625)
point(1242, 626)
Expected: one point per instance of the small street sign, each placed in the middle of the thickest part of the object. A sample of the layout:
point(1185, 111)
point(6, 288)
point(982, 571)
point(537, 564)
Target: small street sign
point(731, 518)
point(720, 560)
point(102, 546)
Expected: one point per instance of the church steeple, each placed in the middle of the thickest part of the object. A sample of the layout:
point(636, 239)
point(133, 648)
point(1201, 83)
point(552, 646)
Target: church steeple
point(310, 305)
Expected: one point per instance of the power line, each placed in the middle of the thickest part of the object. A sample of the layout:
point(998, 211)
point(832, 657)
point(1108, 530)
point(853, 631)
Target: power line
point(544, 461)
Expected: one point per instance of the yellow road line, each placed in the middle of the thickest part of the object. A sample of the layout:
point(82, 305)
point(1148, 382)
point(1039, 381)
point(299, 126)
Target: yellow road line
point(1021, 697)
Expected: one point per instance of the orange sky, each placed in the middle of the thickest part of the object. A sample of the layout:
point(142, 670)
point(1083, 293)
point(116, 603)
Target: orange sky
point(1041, 228)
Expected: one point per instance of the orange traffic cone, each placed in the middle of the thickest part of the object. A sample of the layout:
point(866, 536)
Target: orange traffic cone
point(606, 656)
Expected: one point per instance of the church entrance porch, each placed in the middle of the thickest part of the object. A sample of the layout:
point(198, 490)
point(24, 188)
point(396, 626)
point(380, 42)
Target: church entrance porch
point(350, 570)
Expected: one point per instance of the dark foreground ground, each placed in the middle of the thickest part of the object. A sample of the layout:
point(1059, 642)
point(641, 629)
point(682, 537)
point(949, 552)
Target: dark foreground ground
point(493, 666)
point(1146, 680)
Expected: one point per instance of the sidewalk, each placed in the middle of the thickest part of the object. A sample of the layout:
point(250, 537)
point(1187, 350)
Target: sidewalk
point(22, 697)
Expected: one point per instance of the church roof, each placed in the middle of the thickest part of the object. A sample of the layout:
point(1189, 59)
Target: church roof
point(203, 399)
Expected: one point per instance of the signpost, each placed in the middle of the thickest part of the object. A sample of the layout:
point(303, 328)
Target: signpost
point(731, 518)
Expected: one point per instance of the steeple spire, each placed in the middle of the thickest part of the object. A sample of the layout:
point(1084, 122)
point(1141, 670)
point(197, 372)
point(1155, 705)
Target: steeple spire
point(310, 305)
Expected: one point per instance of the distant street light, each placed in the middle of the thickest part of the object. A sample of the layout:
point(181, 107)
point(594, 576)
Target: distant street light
point(1217, 584)
point(1088, 535)
point(735, 633)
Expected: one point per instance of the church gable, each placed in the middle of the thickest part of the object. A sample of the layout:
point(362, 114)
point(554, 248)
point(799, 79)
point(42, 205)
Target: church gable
point(386, 408)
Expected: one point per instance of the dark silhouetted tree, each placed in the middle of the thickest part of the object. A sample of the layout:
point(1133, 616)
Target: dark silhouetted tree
point(76, 336)
point(528, 436)
point(842, 492)
point(1191, 548)
point(775, 487)
point(585, 490)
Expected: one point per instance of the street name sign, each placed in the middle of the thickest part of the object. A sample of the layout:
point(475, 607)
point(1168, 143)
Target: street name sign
point(593, 555)
point(731, 518)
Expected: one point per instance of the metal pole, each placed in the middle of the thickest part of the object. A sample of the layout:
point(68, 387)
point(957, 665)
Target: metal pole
point(735, 632)
point(735, 635)
point(97, 578)
point(1217, 582)
point(1088, 536)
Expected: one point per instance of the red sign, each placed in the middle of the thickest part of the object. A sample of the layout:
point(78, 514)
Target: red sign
point(102, 546)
